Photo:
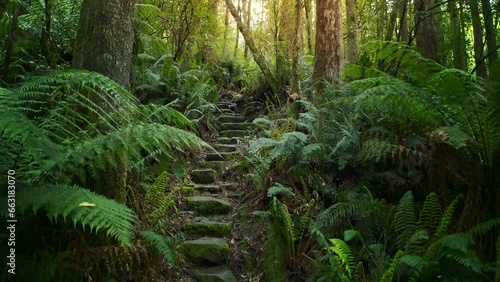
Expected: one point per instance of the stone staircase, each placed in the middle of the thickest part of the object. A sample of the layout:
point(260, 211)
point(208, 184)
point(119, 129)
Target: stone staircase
point(208, 231)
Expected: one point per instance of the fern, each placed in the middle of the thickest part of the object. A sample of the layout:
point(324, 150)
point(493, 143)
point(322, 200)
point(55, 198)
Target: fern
point(80, 206)
point(156, 199)
point(446, 218)
point(430, 214)
point(164, 246)
point(405, 220)
point(389, 273)
point(342, 250)
point(278, 188)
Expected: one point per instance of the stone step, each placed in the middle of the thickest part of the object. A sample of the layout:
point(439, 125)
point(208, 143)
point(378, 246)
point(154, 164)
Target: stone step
point(227, 140)
point(210, 188)
point(227, 112)
point(218, 166)
point(205, 251)
point(208, 228)
point(224, 148)
point(206, 205)
point(223, 156)
point(226, 106)
point(234, 125)
point(203, 176)
point(231, 118)
point(233, 133)
point(214, 274)
point(230, 186)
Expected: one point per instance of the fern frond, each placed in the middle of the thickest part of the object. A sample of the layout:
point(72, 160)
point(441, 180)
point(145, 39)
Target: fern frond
point(68, 202)
point(446, 218)
point(389, 273)
point(405, 220)
point(345, 255)
point(431, 214)
point(164, 246)
point(278, 188)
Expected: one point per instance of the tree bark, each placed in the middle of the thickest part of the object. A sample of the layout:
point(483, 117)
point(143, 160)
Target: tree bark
point(425, 29)
point(11, 38)
point(235, 52)
point(457, 39)
point(257, 55)
point(296, 47)
point(490, 34)
point(104, 44)
point(478, 40)
point(329, 61)
point(392, 21)
point(104, 39)
point(308, 9)
point(45, 40)
point(352, 30)
point(248, 15)
point(403, 34)
point(226, 31)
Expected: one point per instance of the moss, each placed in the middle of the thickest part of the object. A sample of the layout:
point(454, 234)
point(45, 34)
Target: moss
point(233, 133)
point(186, 190)
point(208, 205)
point(205, 250)
point(203, 176)
point(215, 229)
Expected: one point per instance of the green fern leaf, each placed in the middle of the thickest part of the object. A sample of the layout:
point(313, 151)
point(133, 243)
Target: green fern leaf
point(162, 245)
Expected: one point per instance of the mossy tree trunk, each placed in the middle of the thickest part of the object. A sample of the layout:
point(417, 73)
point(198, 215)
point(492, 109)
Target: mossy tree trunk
point(329, 49)
point(296, 49)
point(425, 29)
point(352, 29)
point(104, 44)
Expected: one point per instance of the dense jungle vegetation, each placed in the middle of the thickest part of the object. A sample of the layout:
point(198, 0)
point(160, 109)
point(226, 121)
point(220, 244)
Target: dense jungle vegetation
point(374, 155)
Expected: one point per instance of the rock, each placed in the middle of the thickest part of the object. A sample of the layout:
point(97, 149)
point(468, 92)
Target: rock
point(233, 133)
point(203, 251)
point(207, 228)
point(234, 126)
point(230, 118)
point(223, 156)
point(214, 274)
point(208, 188)
point(224, 148)
point(208, 205)
point(226, 140)
point(231, 186)
point(203, 176)
point(218, 166)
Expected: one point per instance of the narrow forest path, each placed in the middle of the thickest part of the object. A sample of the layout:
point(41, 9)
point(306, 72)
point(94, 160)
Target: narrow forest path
point(212, 201)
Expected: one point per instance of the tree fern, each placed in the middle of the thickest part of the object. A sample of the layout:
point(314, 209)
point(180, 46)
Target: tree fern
point(431, 214)
point(81, 206)
point(405, 220)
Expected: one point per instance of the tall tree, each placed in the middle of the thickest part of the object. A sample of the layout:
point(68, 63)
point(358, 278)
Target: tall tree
point(104, 44)
point(477, 28)
point(403, 34)
point(308, 11)
point(329, 61)
point(457, 37)
point(248, 15)
point(296, 48)
point(235, 53)
point(259, 59)
point(425, 28)
point(352, 30)
point(490, 34)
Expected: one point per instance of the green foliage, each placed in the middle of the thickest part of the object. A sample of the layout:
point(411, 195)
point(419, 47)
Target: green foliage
point(158, 202)
point(342, 250)
point(164, 246)
point(81, 206)
point(405, 220)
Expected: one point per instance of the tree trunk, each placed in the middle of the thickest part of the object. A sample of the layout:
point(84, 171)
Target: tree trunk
point(45, 40)
point(308, 9)
point(352, 30)
point(249, 22)
point(478, 40)
point(329, 61)
point(403, 34)
point(490, 34)
point(296, 47)
point(392, 20)
point(226, 31)
point(104, 44)
point(459, 61)
point(425, 29)
point(257, 55)
point(235, 53)
point(11, 38)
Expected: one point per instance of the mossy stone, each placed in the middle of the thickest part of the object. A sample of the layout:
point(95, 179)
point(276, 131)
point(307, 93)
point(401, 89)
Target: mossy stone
point(224, 148)
point(209, 228)
point(204, 251)
point(203, 176)
point(208, 205)
point(227, 140)
point(234, 125)
point(223, 156)
point(229, 118)
point(218, 166)
point(214, 274)
point(233, 133)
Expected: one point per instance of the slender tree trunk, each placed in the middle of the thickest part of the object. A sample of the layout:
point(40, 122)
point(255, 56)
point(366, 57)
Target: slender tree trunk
point(490, 34)
point(104, 44)
point(352, 30)
point(259, 59)
point(329, 49)
point(11, 38)
point(45, 40)
point(403, 34)
point(459, 61)
point(308, 11)
point(249, 22)
point(235, 53)
point(392, 20)
point(226, 31)
point(296, 47)
point(425, 29)
point(478, 40)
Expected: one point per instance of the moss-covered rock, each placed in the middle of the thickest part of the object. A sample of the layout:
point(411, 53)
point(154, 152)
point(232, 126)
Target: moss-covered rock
point(230, 118)
point(218, 166)
point(208, 205)
point(227, 140)
point(203, 176)
point(221, 156)
point(233, 133)
point(235, 125)
point(208, 228)
point(224, 148)
point(205, 251)
point(210, 188)
point(214, 274)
